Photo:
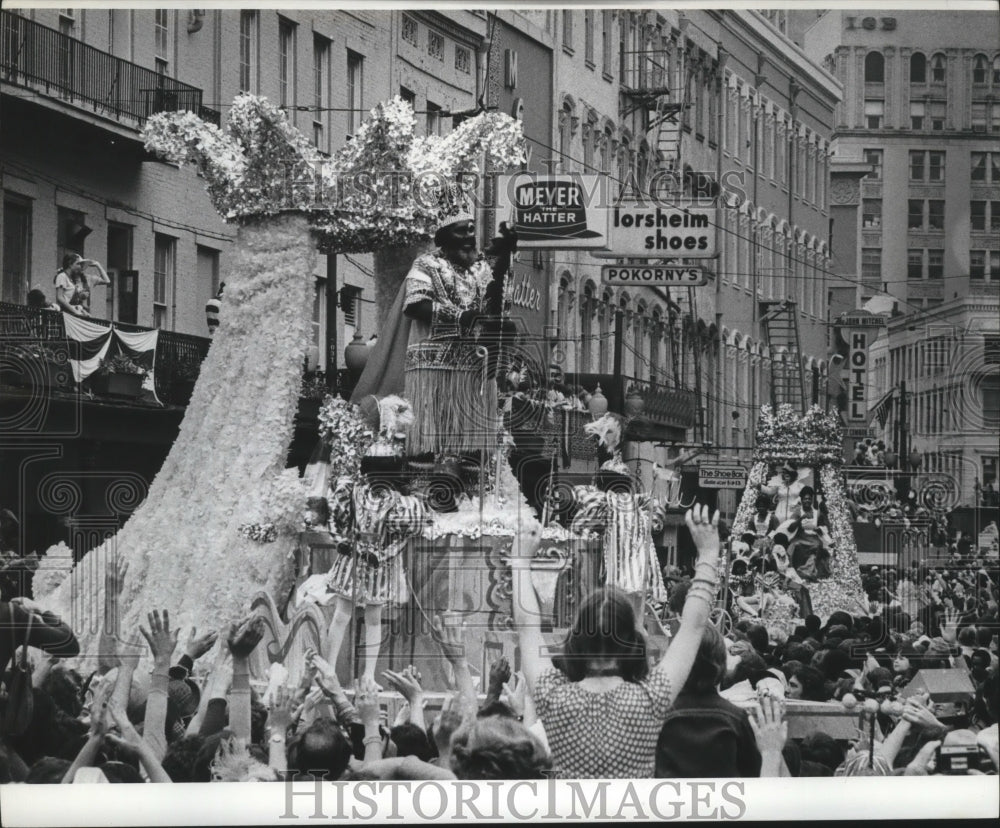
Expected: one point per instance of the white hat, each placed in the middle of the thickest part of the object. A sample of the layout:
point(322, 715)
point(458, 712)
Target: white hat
point(454, 206)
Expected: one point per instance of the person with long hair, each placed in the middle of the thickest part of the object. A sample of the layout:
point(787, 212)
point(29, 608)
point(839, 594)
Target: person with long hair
point(73, 286)
point(601, 705)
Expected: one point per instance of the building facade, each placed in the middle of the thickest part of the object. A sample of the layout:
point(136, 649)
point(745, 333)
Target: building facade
point(921, 111)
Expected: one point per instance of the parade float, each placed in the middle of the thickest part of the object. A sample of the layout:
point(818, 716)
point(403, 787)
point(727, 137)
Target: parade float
point(226, 526)
point(795, 454)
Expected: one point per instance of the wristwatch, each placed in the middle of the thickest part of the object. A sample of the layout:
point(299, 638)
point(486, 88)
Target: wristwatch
point(277, 738)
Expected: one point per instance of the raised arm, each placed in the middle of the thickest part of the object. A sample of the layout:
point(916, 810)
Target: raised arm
point(450, 638)
point(102, 274)
point(241, 643)
point(527, 612)
point(162, 642)
point(47, 631)
point(700, 601)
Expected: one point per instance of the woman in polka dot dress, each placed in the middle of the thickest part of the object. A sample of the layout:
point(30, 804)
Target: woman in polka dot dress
point(602, 706)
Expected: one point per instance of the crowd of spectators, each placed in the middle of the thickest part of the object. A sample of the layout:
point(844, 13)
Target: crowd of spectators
point(709, 706)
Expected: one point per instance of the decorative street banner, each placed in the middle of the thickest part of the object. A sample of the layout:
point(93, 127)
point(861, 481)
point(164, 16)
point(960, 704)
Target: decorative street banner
point(643, 232)
point(729, 476)
point(652, 275)
point(555, 212)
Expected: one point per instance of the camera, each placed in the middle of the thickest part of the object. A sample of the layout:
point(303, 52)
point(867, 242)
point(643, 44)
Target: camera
point(958, 760)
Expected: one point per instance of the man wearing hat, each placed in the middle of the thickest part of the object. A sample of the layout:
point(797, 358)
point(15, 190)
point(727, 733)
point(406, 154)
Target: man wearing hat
point(427, 350)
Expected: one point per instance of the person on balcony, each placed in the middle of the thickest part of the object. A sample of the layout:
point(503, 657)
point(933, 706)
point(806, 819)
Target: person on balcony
point(212, 310)
point(73, 286)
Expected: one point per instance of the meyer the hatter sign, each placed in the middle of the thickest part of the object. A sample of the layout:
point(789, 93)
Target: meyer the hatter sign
point(555, 211)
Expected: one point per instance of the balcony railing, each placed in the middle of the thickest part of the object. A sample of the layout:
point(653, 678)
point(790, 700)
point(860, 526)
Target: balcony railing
point(69, 69)
point(178, 356)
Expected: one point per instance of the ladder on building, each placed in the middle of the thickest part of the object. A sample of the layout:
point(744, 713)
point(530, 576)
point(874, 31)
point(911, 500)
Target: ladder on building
point(781, 327)
point(667, 124)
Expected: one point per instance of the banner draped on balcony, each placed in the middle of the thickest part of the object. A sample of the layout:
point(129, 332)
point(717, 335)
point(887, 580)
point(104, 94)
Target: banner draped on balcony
point(98, 342)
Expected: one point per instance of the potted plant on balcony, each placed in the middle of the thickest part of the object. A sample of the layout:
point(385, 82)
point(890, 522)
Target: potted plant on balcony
point(185, 374)
point(119, 376)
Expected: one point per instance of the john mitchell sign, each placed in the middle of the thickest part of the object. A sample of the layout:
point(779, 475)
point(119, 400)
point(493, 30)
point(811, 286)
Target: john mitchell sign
point(652, 275)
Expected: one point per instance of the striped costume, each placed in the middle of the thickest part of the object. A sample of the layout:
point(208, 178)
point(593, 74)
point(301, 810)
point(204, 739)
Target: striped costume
point(383, 521)
point(630, 561)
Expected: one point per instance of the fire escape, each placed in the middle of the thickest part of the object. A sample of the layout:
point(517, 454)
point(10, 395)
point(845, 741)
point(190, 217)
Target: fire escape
point(647, 87)
point(781, 327)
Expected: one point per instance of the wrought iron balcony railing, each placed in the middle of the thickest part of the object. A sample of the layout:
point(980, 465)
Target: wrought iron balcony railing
point(179, 356)
point(43, 58)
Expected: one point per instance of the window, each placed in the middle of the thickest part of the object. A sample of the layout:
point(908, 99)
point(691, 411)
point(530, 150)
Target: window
point(435, 45)
point(915, 214)
point(164, 256)
point(874, 110)
point(248, 34)
point(918, 68)
point(938, 69)
point(914, 264)
point(286, 63)
point(917, 113)
point(588, 36)
point(935, 214)
point(994, 216)
point(873, 157)
point(871, 213)
point(916, 166)
point(979, 167)
point(567, 29)
point(606, 22)
point(996, 70)
point(977, 264)
point(160, 33)
point(433, 119)
point(977, 215)
point(463, 60)
point(926, 166)
point(937, 114)
point(871, 267)
point(980, 69)
point(321, 69)
point(935, 264)
point(874, 68)
point(355, 90)
point(409, 96)
point(409, 29)
point(16, 248)
point(979, 117)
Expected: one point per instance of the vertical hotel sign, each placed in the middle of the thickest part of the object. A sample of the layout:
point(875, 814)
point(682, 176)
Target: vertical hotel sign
point(857, 396)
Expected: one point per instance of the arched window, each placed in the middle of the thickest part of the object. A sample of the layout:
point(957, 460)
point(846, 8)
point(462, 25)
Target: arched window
point(566, 137)
point(874, 68)
point(587, 309)
point(655, 340)
point(918, 68)
point(980, 69)
point(562, 307)
point(640, 325)
point(606, 315)
point(938, 69)
point(996, 71)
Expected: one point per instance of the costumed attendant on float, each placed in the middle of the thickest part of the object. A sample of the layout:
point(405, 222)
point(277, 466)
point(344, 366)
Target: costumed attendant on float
point(374, 519)
point(612, 509)
point(785, 488)
point(429, 350)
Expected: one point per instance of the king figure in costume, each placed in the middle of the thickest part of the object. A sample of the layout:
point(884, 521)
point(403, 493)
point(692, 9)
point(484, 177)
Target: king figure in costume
point(429, 351)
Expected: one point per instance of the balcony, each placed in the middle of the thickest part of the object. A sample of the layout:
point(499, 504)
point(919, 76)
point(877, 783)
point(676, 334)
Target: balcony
point(35, 334)
point(42, 59)
point(657, 412)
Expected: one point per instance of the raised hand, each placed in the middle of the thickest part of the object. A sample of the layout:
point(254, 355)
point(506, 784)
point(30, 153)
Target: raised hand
point(366, 702)
point(114, 575)
point(768, 724)
point(246, 636)
point(407, 683)
point(161, 639)
point(499, 674)
point(279, 712)
point(198, 645)
point(514, 693)
point(449, 638)
point(704, 533)
point(949, 628)
point(322, 667)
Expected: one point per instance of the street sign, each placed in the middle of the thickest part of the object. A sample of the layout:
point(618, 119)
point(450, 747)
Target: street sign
point(661, 232)
point(722, 476)
point(652, 275)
